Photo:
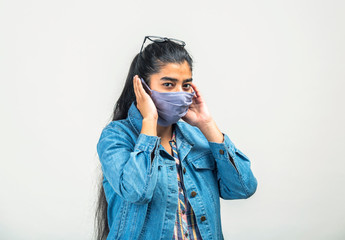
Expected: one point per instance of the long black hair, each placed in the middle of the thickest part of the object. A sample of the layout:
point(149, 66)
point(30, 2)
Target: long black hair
point(150, 61)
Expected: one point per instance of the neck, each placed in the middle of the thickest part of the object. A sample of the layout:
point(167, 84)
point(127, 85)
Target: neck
point(164, 132)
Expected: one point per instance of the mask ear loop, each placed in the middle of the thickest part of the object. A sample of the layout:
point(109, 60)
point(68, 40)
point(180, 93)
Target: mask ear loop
point(146, 87)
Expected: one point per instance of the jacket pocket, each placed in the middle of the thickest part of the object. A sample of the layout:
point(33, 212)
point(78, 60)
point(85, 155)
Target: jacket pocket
point(206, 179)
point(204, 162)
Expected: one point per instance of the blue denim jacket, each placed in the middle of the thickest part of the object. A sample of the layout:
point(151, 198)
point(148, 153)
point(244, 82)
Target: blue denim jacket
point(142, 196)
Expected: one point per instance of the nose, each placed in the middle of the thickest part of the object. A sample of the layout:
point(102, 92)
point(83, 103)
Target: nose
point(179, 88)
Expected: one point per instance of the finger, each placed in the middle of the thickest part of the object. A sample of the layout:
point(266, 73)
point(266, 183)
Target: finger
point(142, 90)
point(139, 88)
point(196, 89)
point(135, 85)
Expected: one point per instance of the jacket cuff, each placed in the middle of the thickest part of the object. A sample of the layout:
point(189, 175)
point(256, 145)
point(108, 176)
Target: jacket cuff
point(224, 149)
point(147, 143)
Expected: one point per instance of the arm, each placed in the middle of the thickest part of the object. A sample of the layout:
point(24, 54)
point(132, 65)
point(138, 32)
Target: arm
point(128, 166)
point(235, 178)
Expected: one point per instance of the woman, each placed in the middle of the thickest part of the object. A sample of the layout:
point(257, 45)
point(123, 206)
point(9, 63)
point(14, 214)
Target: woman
point(163, 177)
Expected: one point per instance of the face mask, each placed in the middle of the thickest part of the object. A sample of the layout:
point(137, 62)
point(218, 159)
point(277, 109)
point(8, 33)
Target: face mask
point(171, 106)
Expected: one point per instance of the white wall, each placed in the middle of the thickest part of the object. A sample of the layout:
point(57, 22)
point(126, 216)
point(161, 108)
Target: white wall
point(272, 73)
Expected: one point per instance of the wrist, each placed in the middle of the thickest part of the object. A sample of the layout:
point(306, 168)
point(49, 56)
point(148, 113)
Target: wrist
point(211, 132)
point(150, 118)
point(209, 123)
point(149, 126)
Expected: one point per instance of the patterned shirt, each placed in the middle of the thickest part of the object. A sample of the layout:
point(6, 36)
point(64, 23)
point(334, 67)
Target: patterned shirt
point(186, 227)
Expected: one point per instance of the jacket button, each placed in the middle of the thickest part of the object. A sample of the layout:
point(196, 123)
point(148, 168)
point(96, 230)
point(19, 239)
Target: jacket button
point(221, 151)
point(203, 218)
point(193, 194)
point(171, 168)
point(184, 170)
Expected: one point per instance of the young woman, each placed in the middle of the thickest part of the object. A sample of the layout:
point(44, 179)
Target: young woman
point(163, 177)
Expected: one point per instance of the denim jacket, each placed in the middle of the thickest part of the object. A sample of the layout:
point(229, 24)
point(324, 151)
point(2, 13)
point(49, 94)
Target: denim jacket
point(142, 196)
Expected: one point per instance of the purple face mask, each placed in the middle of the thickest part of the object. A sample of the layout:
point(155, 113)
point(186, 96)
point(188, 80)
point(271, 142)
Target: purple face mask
point(171, 106)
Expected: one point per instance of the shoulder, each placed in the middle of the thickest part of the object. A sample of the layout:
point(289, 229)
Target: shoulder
point(117, 126)
point(118, 131)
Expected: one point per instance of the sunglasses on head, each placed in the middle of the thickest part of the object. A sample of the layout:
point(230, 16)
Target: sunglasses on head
point(162, 39)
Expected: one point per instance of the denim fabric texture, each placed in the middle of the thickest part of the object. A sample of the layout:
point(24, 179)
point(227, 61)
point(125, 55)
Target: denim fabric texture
point(143, 196)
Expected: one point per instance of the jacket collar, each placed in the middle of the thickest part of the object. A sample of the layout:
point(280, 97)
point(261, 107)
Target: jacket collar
point(135, 118)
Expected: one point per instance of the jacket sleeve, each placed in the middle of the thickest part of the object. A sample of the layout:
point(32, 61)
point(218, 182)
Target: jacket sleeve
point(127, 166)
point(235, 178)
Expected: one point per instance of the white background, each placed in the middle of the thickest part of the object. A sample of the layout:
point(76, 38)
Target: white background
point(272, 73)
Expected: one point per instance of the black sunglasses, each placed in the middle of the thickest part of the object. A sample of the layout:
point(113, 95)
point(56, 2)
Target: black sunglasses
point(162, 39)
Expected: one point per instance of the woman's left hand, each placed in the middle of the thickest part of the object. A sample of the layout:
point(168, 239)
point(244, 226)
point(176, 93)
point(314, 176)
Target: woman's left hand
point(198, 114)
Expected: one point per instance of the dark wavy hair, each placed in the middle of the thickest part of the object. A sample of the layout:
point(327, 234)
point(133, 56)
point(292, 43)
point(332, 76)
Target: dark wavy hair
point(150, 61)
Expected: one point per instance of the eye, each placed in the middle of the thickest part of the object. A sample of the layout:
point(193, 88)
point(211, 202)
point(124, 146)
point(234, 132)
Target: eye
point(187, 86)
point(167, 84)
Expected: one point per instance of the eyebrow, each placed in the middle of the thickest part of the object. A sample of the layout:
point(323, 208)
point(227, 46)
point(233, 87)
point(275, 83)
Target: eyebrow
point(175, 80)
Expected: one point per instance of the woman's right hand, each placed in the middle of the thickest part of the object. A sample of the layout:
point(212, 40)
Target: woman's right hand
point(144, 102)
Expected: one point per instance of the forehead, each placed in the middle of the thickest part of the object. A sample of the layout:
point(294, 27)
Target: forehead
point(179, 70)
